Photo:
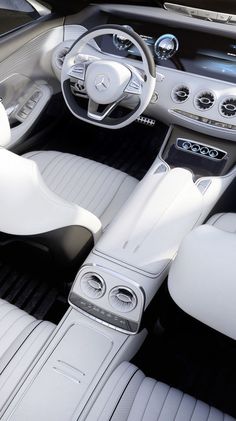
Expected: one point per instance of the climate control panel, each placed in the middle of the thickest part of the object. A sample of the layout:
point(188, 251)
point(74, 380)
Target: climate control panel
point(200, 149)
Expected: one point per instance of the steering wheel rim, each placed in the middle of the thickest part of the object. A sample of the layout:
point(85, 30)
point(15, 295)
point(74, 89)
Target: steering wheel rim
point(89, 67)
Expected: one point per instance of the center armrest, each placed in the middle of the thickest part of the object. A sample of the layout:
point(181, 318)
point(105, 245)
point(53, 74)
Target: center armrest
point(128, 264)
point(148, 231)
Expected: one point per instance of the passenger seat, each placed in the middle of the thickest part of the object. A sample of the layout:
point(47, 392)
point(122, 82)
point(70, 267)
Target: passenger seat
point(21, 339)
point(130, 396)
point(224, 221)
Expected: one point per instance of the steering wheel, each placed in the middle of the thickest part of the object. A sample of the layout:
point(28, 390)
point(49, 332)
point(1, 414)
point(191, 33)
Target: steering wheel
point(107, 79)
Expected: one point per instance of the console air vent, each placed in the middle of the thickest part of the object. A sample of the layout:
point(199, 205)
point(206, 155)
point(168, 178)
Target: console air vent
point(61, 57)
point(123, 299)
point(180, 94)
point(93, 285)
point(204, 101)
point(228, 107)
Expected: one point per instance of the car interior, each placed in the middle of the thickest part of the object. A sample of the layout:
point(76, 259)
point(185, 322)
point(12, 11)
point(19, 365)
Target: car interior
point(118, 210)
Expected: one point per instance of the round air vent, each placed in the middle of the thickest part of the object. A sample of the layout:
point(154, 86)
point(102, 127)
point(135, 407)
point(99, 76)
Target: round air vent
point(123, 299)
point(93, 285)
point(61, 57)
point(180, 94)
point(204, 101)
point(228, 107)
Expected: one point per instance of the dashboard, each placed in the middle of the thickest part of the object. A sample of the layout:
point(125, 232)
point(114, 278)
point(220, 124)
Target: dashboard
point(195, 66)
point(196, 72)
point(182, 49)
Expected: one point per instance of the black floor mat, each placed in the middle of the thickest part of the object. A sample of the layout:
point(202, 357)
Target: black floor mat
point(191, 357)
point(30, 292)
point(131, 149)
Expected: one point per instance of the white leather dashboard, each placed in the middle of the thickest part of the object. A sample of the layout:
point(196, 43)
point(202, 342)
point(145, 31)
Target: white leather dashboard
point(41, 60)
point(166, 106)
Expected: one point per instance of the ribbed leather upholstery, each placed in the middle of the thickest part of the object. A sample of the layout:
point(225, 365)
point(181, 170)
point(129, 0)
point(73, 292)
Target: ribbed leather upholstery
point(13, 322)
point(21, 339)
point(94, 186)
point(130, 396)
point(224, 221)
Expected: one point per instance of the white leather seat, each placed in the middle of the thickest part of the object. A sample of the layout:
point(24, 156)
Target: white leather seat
point(21, 339)
point(94, 186)
point(202, 277)
point(130, 396)
point(224, 221)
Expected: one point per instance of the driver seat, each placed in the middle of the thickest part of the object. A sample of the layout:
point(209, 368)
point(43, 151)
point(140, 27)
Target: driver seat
point(55, 205)
point(100, 189)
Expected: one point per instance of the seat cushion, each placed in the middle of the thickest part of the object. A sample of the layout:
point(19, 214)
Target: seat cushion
point(224, 221)
point(130, 396)
point(96, 187)
point(21, 339)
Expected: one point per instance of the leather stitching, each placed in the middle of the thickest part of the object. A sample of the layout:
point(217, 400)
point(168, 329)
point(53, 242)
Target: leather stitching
point(193, 410)
point(181, 400)
point(163, 403)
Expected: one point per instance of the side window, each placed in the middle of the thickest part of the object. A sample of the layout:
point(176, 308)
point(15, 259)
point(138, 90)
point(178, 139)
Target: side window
point(15, 13)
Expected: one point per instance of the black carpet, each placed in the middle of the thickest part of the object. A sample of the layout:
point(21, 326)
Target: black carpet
point(184, 353)
point(31, 292)
point(131, 149)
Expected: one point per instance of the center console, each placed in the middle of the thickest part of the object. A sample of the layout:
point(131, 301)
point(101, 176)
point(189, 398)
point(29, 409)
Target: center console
point(127, 266)
point(116, 283)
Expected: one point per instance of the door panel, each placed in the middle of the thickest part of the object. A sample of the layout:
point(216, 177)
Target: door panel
point(27, 80)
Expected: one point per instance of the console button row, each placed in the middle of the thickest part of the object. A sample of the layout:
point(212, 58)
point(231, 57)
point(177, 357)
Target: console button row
point(200, 149)
point(205, 120)
point(27, 108)
point(106, 316)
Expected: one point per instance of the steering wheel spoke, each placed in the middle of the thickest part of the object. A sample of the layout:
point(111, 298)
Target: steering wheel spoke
point(78, 71)
point(82, 61)
point(93, 109)
point(135, 85)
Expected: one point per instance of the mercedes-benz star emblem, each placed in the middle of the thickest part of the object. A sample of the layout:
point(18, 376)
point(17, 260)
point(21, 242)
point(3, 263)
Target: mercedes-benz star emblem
point(102, 82)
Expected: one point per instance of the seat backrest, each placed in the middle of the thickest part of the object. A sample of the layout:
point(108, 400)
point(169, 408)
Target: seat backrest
point(202, 279)
point(28, 207)
point(30, 211)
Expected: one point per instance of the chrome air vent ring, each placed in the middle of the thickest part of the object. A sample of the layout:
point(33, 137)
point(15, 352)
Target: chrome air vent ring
point(228, 107)
point(93, 285)
point(204, 100)
point(180, 93)
point(123, 299)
